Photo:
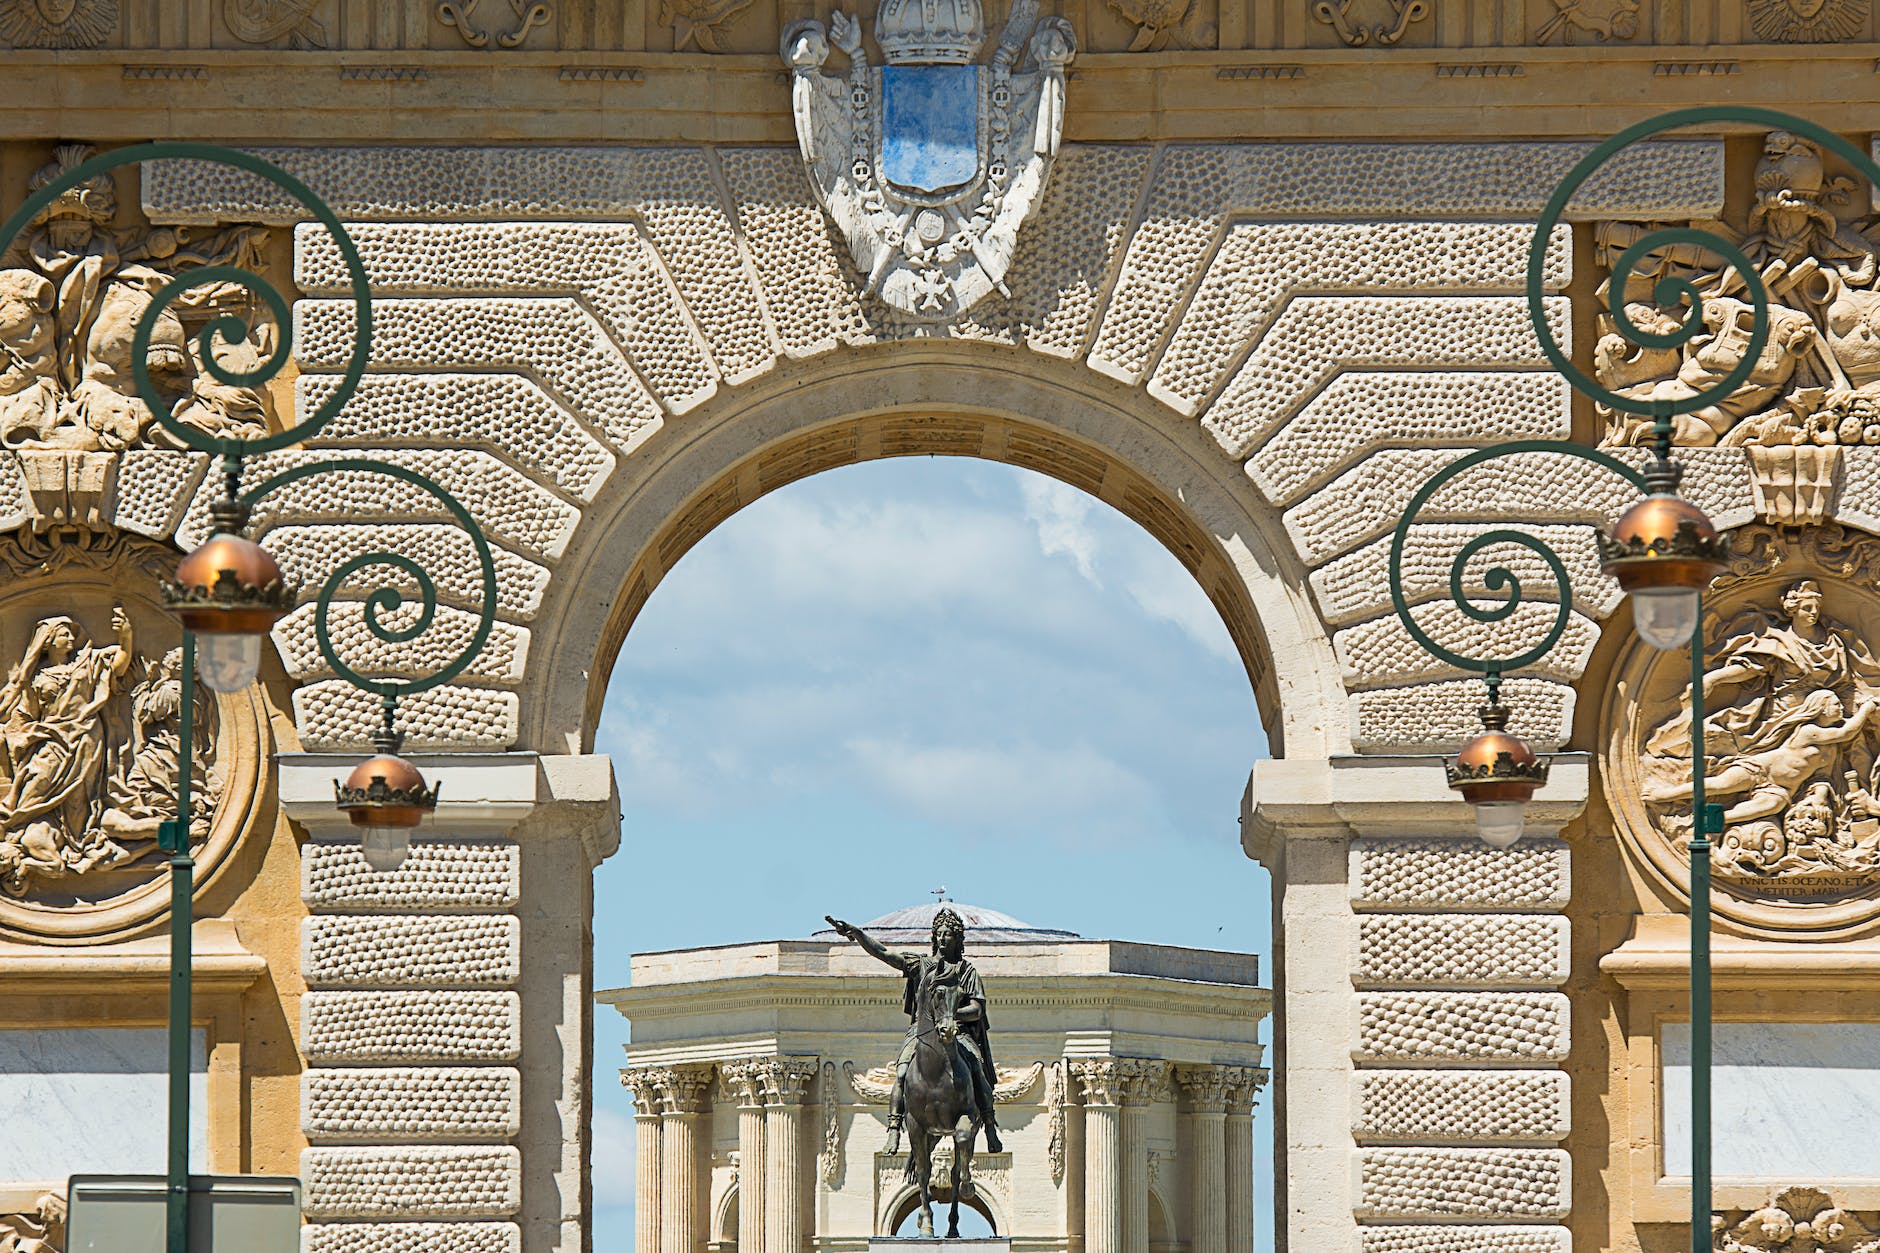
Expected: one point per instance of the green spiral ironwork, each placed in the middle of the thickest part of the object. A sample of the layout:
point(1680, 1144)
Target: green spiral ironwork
point(1669, 290)
point(387, 600)
point(1495, 578)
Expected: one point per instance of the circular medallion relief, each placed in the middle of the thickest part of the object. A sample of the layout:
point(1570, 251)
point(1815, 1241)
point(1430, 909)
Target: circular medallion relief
point(90, 740)
point(1791, 741)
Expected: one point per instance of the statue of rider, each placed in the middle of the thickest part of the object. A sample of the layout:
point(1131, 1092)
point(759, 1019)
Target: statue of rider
point(945, 966)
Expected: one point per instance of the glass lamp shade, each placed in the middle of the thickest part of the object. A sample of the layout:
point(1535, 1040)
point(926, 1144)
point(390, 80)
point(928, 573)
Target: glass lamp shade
point(385, 847)
point(1499, 822)
point(228, 663)
point(1666, 617)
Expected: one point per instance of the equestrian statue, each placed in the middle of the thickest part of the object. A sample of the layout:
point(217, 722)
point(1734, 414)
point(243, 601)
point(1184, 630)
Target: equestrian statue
point(944, 1080)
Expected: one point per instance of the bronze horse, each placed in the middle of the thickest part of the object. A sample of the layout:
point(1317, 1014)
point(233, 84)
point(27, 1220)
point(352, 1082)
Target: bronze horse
point(940, 1103)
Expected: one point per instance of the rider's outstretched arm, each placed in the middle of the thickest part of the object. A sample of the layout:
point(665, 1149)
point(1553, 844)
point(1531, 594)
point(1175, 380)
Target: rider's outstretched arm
point(870, 945)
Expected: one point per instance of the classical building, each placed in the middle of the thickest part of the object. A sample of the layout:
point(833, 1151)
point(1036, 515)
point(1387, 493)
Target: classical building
point(1127, 1075)
point(1248, 270)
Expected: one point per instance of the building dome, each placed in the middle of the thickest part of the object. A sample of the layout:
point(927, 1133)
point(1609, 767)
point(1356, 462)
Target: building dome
point(914, 925)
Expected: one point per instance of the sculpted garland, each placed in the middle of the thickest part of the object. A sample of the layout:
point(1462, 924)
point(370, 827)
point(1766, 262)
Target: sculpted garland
point(1797, 1220)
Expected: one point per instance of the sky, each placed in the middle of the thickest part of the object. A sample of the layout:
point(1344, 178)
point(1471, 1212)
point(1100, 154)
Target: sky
point(921, 649)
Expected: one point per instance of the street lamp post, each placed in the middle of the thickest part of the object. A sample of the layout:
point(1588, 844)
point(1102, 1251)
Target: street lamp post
point(1662, 551)
point(229, 592)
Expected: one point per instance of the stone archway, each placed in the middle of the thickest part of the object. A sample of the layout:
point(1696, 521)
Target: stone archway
point(608, 349)
point(918, 401)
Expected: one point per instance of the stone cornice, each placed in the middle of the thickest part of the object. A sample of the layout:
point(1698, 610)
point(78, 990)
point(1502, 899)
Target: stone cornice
point(220, 965)
point(649, 96)
point(1064, 992)
point(1657, 957)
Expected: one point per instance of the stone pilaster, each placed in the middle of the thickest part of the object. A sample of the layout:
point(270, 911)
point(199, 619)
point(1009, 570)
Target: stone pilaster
point(786, 1083)
point(646, 1084)
point(1204, 1132)
point(682, 1198)
point(1243, 1084)
point(744, 1084)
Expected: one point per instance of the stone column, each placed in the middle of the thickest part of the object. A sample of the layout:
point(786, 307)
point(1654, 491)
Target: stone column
point(683, 1194)
point(744, 1084)
point(786, 1183)
point(1100, 1083)
point(1143, 1081)
point(1243, 1088)
point(1204, 1128)
point(647, 1084)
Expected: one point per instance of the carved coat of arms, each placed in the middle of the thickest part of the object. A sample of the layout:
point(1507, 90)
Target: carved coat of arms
point(930, 163)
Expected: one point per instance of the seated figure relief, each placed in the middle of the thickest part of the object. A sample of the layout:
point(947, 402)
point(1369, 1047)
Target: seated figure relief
point(90, 740)
point(1817, 379)
point(72, 290)
point(1791, 744)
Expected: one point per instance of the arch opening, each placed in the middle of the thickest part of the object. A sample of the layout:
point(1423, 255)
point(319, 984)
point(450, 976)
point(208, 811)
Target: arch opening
point(805, 862)
point(903, 1217)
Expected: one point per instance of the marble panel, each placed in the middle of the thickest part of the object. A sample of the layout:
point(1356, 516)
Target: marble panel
point(1787, 1099)
point(93, 1100)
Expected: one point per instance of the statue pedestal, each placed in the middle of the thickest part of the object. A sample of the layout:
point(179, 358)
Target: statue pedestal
point(975, 1244)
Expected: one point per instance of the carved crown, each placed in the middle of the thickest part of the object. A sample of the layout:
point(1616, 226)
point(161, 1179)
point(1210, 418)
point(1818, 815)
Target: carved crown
point(929, 32)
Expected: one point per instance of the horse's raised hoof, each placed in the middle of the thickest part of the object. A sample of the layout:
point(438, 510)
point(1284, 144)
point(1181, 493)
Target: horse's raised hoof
point(894, 1141)
point(992, 1141)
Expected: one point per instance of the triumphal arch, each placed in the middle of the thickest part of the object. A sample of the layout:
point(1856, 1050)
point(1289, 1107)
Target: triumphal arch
point(1247, 270)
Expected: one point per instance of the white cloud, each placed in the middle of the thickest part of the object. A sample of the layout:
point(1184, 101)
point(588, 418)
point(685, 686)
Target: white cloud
point(1168, 593)
point(895, 636)
point(1061, 516)
point(612, 1157)
point(1072, 791)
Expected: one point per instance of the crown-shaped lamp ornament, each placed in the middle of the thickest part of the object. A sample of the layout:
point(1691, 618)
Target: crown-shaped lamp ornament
point(930, 32)
point(1664, 551)
point(386, 797)
point(1497, 773)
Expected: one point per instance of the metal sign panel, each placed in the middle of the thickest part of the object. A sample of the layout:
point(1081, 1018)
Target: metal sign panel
point(227, 1214)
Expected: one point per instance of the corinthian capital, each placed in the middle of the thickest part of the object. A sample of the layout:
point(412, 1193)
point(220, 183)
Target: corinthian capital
point(786, 1079)
point(648, 1085)
point(1243, 1086)
point(743, 1081)
point(1203, 1088)
point(686, 1088)
point(1119, 1080)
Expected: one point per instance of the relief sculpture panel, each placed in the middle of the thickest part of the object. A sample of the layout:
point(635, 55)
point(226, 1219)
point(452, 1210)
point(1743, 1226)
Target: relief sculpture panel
point(91, 708)
point(1791, 736)
point(1815, 385)
point(40, 1229)
point(1797, 1220)
point(72, 290)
